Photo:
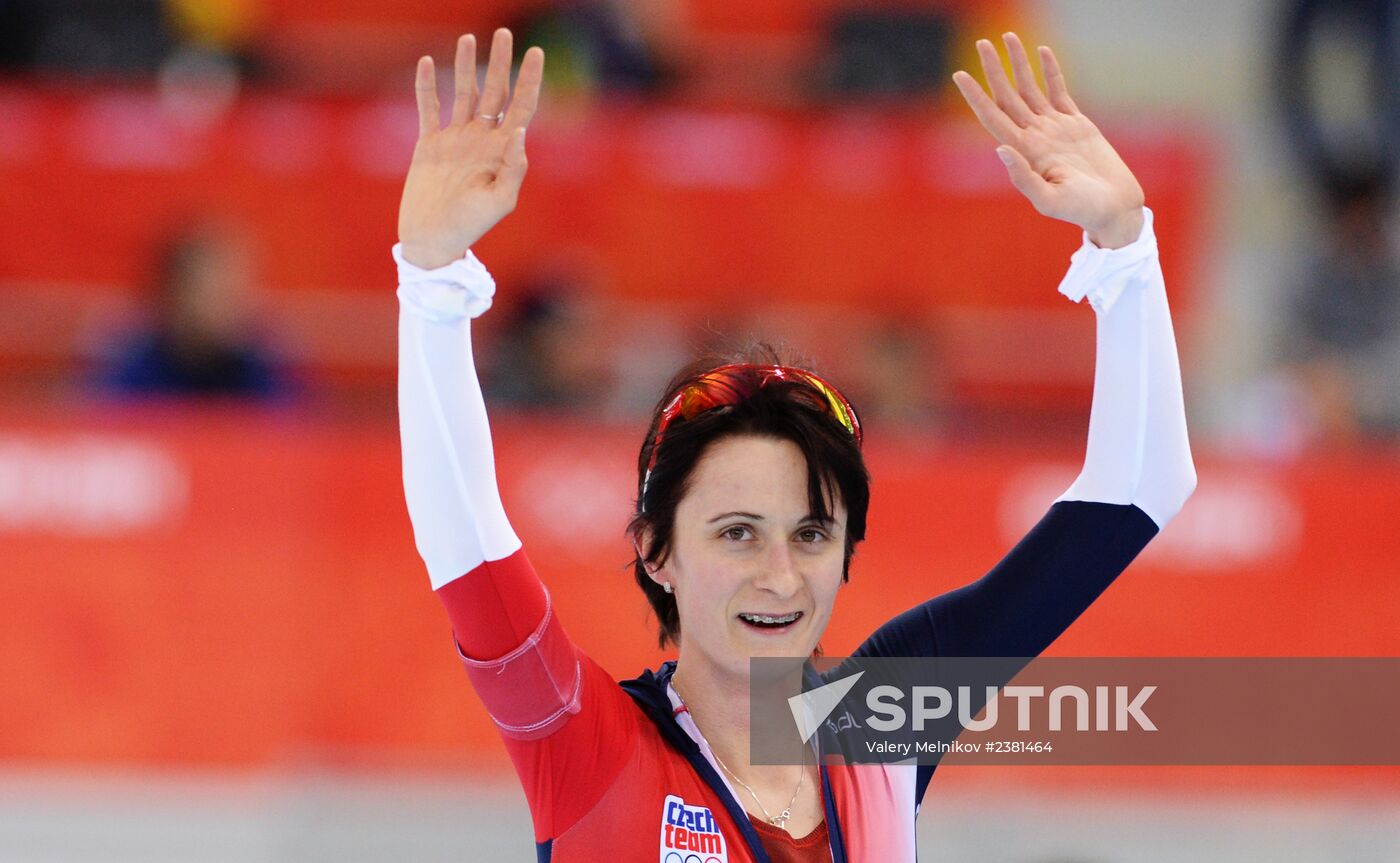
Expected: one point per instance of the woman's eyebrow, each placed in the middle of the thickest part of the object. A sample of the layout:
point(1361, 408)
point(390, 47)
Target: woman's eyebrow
point(811, 518)
point(740, 514)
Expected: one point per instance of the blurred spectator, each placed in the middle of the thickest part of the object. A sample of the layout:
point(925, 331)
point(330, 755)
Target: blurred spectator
point(1349, 302)
point(610, 45)
point(123, 37)
point(126, 37)
point(1339, 77)
point(896, 380)
point(201, 333)
point(1338, 74)
point(885, 52)
point(551, 352)
point(1343, 339)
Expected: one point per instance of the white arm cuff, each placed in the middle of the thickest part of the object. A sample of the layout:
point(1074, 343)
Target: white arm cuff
point(461, 289)
point(1103, 274)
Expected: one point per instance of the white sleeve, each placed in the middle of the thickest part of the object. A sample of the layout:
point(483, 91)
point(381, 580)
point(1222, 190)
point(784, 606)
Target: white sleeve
point(1138, 452)
point(449, 471)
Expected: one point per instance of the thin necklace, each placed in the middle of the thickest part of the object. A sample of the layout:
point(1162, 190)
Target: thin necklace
point(781, 818)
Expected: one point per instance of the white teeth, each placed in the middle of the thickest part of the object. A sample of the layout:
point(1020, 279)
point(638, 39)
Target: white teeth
point(764, 618)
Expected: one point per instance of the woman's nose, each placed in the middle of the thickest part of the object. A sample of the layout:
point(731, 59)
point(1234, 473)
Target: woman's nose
point(779, 573)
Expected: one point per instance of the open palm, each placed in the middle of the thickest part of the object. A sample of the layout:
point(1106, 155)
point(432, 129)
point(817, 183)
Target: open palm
point(465, 176)
point(1056, 157)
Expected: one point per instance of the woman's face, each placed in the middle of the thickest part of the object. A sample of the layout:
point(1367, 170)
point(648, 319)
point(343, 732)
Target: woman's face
point(746, 547)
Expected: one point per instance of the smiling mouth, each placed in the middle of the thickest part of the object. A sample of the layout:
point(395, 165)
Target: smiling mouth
point(770, 622)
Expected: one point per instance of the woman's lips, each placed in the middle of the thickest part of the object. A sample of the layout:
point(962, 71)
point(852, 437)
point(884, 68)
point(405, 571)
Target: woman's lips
point(770, 623)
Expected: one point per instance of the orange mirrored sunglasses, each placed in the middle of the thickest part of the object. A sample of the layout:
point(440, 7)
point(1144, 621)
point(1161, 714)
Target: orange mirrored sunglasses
point(726, 385)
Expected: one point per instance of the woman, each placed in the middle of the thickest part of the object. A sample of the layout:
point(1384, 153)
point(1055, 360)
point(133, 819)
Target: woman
point(751, 498)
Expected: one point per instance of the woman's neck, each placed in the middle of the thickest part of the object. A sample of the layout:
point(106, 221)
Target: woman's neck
point(722, 707)
point(787, 790)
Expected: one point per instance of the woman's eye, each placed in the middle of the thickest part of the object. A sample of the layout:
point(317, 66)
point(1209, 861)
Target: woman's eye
point(736, 532)
point(811, 534)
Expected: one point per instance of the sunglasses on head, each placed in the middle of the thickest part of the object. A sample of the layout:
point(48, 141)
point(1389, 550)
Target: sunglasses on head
point(730, 384)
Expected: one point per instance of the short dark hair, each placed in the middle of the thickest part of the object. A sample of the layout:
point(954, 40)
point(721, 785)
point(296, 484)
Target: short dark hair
point(779, 409)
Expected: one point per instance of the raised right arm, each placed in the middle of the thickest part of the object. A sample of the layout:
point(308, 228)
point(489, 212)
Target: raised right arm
point(449, 474)
point(464, 178)
point(565, 721)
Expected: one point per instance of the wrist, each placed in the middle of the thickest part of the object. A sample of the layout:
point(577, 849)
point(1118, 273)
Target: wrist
point(1122, 231)
point(426, 257)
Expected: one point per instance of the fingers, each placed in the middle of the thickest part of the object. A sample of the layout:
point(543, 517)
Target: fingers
point(1006, 96)
point(493, 95)
point(464, 77)
point(425, 85)
point(992, 118)
point(1024, 178)
point(512, 173)
point(1025, 76)
point(1055, 82)
point(527, 90)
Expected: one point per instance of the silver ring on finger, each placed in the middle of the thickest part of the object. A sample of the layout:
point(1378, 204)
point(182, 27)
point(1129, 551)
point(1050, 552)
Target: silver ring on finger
point(495, 118)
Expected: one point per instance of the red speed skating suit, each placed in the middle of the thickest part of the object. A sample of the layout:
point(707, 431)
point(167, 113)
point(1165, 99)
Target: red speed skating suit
point(618, 771)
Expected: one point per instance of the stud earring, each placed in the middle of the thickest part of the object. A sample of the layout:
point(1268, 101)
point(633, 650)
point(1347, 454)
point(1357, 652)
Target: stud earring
point(666, 586)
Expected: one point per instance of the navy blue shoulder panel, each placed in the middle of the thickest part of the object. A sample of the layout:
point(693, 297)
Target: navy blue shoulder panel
point(1032, 596)
point(544, 851)
point(1029, 598)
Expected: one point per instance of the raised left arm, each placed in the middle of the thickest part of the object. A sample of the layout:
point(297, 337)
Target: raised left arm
point(1137, 470)
point(1137, 474)
point(1138, 451)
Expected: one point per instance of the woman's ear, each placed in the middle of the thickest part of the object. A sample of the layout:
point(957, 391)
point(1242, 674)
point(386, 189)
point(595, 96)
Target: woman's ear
point(643, 541)
point(640, 541)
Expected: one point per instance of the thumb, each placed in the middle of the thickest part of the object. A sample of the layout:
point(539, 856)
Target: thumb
point(512, 172)
point(1023, 177)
